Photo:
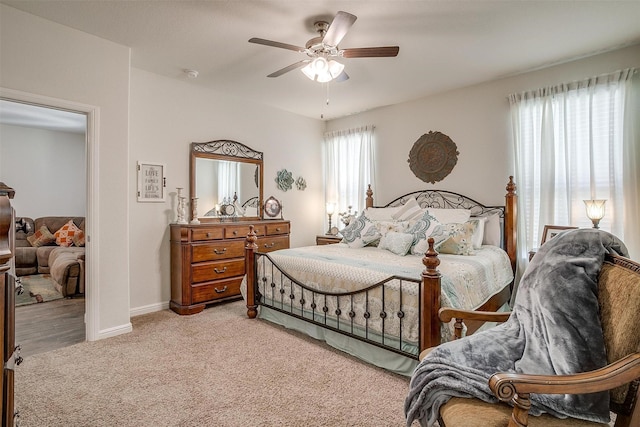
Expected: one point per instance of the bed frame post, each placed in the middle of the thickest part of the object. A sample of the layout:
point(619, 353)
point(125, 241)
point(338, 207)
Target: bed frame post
point(369, 199)
point(510, 228)
point(249, 266)
point(430, 299)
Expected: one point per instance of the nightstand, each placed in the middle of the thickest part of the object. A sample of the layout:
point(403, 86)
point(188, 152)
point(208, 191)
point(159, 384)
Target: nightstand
point(327, 239)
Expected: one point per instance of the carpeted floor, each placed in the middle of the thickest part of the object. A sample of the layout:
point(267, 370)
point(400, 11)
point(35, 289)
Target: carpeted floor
point(37, 288)
point(215, 368)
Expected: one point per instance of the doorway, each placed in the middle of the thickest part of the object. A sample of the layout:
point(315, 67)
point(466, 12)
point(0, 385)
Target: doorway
point(73, 124)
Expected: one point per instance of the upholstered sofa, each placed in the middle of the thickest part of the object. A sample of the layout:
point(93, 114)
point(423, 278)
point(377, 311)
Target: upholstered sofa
point(57, 249)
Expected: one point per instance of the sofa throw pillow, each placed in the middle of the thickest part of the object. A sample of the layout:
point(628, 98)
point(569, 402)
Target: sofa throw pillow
point(360, 232)
point(422, 230)
point(398, 243)
point(41, 237)
point(78, 239)
point(64, 236)
point(460, 241)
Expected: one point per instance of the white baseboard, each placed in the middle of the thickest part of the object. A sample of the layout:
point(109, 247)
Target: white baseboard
point(115, 331)
point(151, 308)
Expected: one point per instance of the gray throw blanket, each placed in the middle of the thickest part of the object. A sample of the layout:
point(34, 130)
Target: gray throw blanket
point(554, 329)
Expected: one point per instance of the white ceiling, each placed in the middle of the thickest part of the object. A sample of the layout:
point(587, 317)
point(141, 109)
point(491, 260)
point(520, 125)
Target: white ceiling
point(443, 44)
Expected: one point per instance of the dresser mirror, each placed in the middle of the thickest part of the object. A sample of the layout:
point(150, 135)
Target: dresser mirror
point(226, 179)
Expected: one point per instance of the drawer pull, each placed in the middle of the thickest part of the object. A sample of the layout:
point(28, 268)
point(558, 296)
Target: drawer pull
point(235, 232)
point(208, 234)
point(219, 271)
point(277, 228)
point(219, 291)
point(267, 245)
point(220, 252)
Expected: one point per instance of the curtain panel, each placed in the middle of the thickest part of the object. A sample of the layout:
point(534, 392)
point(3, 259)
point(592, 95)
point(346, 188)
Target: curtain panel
point(348, 167)
point(573, 142)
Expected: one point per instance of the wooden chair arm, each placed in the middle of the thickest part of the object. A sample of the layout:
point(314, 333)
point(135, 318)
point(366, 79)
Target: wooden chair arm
point(506, 385)
point(446, 314)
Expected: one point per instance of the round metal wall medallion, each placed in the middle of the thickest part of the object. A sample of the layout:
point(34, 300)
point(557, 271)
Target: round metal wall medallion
point(433, 157)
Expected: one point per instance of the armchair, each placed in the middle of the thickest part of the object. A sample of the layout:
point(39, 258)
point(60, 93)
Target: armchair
point(619, 311)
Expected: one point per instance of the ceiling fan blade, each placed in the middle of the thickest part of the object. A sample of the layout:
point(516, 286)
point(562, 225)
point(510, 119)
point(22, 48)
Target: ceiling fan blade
point(342, 77)
point(338, 28)
point(276, 44)
point(289, 68)
point(369, 52)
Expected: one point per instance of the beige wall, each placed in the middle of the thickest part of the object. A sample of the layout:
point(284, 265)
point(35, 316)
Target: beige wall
point(166, 116)
point(477, 119)
point(49, 60)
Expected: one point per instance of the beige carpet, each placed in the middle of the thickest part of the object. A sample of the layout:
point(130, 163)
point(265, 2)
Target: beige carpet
point(216, 368)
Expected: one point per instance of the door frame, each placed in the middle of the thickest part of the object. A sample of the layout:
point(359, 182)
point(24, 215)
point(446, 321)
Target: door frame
point(92, 113)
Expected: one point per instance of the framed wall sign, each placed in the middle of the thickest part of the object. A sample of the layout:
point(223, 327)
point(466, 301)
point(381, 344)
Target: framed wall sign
point(151, 182)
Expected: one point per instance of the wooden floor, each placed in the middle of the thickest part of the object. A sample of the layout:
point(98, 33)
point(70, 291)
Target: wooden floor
point(50, 325)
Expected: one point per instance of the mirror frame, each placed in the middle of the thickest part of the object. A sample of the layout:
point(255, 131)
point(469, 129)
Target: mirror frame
point(224, 149)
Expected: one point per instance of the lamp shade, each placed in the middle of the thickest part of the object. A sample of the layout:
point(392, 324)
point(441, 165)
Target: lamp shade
point(595, 210)
point(321, 70)
point(331, 208)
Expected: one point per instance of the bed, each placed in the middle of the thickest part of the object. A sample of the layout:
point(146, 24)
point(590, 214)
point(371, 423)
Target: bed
point(381, 307)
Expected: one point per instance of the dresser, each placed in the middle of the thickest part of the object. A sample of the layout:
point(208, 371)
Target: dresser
point(207, 260)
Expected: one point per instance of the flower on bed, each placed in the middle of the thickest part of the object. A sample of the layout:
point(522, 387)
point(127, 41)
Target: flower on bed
point(360, 232)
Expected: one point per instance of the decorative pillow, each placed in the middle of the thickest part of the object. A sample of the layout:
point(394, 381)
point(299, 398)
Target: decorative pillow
point(398, 243)
point(460, 242)
point(478, 234)
point(411, 210)
point(360, 232)
point(41, 237)
point(386, 226)
point(64, 236)
point(492, 234)
point(420, 231)
point(381, 214)
point(78, 239)
point(446, 216)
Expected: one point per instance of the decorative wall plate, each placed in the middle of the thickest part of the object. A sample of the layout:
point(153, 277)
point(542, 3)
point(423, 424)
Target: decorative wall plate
point(284, 180)
point(433, 157)
point(272, 207)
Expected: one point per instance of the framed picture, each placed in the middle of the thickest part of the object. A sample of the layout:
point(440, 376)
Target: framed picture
point(272, 208)
point(151, 182)
point(550, 231)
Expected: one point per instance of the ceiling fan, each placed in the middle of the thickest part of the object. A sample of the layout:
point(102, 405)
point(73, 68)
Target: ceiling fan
point(321, 51)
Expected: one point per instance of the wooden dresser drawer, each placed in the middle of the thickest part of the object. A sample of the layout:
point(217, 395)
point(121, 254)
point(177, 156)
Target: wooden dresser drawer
point(217, 250)
point(278, 228)
point(215, 290)
point(207, 233)
point(269, 244)
point(235, 231)
point(214, 270)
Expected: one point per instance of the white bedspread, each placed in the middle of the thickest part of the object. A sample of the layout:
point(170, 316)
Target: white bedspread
point(467, 282)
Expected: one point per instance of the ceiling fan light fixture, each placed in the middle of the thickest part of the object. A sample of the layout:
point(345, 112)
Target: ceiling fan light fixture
point(322, 71)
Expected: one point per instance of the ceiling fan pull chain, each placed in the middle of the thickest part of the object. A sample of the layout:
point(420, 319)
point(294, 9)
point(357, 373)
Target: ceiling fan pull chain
point(327, 93)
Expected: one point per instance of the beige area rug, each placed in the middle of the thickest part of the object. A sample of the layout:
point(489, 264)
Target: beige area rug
point(215, 368)
point(37, 288)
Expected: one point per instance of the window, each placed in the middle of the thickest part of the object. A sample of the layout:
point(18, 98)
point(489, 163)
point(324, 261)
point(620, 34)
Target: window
point(574, 142)
point(348, 167)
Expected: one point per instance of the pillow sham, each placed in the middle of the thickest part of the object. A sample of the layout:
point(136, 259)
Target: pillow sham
point(460, 240)
point(398, 243)
point(381, 214)
point(421, 230)
point(446, 216)
point(411, 210)
point(41, 237)
point(360, 232)
point(478, 234)
point(492, 235)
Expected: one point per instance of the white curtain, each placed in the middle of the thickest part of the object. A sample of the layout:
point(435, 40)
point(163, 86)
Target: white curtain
point(348, 167)
point(228, 180)
point(573, 142)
